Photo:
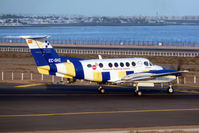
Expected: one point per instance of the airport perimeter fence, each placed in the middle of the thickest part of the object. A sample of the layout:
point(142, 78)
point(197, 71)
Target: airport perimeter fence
point(35, 77)
point(192, 79)
point(126, 52)
point(111, 42)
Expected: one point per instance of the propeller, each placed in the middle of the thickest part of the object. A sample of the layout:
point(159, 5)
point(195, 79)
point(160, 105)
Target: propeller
point(179, 67)
point(179, 64)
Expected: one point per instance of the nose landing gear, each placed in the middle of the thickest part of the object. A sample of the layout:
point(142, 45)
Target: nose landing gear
point(137, 91)
point(170, 89)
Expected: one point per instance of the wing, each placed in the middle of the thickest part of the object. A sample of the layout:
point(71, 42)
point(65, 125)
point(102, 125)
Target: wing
point(148, 76)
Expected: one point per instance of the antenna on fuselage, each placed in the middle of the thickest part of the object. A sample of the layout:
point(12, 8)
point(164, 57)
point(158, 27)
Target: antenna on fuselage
point(99, 56)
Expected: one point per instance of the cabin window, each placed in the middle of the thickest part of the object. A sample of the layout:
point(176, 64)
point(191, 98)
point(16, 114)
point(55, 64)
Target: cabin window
point(110, 64)
point(89, 65)
point(100, 65)
point(127, 64)
point(116, 64)
point(146, 63)
point(133, 64)
point(121, 64)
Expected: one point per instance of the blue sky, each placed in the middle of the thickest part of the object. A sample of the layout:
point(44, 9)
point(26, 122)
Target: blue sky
point(101, 7)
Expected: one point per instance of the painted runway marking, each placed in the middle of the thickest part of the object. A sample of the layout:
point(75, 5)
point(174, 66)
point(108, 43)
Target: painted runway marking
point(105, 112)
point(29, 85)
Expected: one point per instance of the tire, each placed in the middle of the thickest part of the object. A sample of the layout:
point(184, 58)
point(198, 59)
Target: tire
point(170, 90)
point(101, 90)
point(138, 93)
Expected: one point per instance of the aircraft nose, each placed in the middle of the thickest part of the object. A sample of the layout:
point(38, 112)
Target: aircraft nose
point(160, 68)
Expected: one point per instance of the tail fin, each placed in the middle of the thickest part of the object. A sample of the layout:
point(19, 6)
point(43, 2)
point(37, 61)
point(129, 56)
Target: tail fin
point(44, 54)
point(42, 51)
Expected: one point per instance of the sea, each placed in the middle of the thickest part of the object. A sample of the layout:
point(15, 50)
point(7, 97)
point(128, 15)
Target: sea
point(180, 33)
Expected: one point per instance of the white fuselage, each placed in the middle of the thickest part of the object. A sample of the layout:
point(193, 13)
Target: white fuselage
point(120, 68)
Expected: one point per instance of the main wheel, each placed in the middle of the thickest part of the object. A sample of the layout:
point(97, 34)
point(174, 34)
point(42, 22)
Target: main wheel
point(101, 90)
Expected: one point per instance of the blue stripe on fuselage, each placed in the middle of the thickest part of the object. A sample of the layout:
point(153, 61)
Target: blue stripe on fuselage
point(129, 72)
point(105, 76)
point(71, 59)
point(165, 70)
point(78, 70)
point(53, 69)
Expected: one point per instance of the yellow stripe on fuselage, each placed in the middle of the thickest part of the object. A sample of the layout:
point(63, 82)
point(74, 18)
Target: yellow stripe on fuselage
point(170, 76)
point(121, 74)
point(67, 76)
point(145, 70)
point(44, 69)
point(97, 76)
point(70, 69)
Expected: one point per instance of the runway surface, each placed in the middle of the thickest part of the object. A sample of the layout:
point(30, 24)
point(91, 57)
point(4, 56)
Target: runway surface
point(36, 107)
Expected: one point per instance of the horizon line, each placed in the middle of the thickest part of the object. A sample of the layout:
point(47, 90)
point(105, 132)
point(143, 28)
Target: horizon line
point(31, 14)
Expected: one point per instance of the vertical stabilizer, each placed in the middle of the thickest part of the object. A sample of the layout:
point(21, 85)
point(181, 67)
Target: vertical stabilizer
point(42, 50)
point(43, 53)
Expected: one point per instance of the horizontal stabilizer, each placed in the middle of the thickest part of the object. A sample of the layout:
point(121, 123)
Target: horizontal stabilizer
point(35, 37)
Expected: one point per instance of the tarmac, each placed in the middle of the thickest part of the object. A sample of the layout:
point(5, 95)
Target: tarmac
point(45, 107)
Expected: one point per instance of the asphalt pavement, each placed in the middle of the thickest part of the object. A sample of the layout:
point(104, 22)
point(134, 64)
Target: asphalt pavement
point(37, 107)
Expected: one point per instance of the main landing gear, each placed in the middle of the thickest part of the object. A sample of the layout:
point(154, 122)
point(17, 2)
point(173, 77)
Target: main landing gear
point(101, 90)
point(137, 91)
point(170, 89)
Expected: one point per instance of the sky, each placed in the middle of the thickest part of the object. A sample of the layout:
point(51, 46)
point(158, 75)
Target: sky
point(101, 7)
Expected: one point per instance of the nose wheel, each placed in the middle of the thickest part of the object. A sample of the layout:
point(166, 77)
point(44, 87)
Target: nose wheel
point(137, 91)
point(170, 89)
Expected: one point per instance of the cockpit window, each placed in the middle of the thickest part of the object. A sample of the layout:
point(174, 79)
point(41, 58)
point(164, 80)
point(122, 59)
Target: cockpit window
point(150, 64)
point(146, 63)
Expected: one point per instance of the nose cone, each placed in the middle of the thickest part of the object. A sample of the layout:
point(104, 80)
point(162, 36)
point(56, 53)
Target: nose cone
point(159, 67)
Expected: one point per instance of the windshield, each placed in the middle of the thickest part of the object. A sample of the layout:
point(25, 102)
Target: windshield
point(150, 63)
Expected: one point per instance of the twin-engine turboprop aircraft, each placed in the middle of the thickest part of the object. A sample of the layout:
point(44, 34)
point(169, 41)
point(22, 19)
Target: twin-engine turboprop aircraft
point(139, 71)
